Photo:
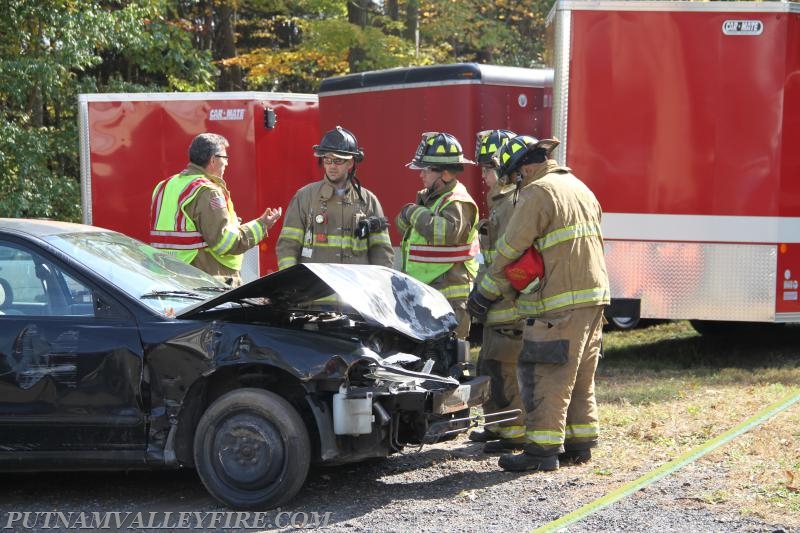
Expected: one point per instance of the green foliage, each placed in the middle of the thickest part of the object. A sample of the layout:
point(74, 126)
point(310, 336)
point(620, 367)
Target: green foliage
point(322, 52)
point(334, 38)
point(504, 32)
point(319, 8)
point(324, 43)
point(52, 51)
point(33, 182)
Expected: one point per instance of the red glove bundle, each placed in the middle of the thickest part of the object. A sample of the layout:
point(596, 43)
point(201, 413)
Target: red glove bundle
point(525, 273)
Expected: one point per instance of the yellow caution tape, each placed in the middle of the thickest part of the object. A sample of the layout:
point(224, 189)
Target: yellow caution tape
point(666, 469)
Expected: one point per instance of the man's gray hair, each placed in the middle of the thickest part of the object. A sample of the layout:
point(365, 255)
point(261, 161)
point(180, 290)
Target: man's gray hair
point(205, 146)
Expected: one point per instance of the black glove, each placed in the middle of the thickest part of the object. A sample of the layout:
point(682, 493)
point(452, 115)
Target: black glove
point(478, 305)
point(405, 212)
point(369, 225)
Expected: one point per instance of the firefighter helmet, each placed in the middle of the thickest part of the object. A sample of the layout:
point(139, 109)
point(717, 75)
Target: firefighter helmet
point(515, 152)
point(487, 144)
point(438, 149)
point(340, 143)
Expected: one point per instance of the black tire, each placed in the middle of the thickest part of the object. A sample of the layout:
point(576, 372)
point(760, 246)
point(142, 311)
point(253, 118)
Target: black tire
point(251, 450)
point(624, 322)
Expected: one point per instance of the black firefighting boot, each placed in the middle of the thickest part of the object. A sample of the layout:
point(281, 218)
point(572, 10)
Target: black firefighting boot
point(483, 435)
point(575, 457)
point(504, 445)
point(523, 462)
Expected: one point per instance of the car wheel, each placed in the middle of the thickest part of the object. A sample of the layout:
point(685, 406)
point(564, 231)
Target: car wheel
point(251, 449)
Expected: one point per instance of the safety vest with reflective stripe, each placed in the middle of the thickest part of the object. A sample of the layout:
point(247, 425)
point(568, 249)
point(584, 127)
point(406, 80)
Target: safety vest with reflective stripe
point(427, 261)
point(172, 230)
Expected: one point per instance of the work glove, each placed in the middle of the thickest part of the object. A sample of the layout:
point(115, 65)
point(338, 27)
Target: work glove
point(478, 305)
point(406, 212)
point(369, 225)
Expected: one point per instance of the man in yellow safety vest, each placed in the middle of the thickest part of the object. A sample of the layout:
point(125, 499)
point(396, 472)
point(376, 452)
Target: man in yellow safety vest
point(192, 214)
point(440, 236)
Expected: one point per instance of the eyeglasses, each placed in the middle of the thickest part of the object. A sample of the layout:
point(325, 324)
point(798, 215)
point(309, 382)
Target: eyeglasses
point(432, 170)
point(225, 157)
point(334, 161)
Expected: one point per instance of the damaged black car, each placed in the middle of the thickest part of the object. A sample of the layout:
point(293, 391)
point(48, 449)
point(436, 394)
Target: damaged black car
point(114, 355)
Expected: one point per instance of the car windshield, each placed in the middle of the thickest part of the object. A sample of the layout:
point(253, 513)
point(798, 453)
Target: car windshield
point(155, 278)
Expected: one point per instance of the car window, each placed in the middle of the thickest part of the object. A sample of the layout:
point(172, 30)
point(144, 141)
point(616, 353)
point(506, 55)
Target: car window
point(155, 278)
point(80, 298)
point(35, 287)
point(23, 292)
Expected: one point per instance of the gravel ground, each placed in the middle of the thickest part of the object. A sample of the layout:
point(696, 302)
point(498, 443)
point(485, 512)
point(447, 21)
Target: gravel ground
point(447, 487)
point(455, 487)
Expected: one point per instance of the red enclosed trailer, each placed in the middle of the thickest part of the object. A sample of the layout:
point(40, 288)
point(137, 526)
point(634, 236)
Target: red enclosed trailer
point(684, 118)
point(129, 142)
point(388, 110)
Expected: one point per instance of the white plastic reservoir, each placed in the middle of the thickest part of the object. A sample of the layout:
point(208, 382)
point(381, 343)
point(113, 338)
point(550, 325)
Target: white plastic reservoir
point(352, 416)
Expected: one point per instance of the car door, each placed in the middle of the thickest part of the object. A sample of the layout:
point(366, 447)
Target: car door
point(70, 360)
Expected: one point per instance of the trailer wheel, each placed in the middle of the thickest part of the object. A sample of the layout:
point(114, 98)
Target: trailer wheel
point(251, 449)
point(621, 322)
point(625, 322)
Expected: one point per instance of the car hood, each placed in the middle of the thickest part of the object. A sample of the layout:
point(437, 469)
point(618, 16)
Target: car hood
point(382, 296)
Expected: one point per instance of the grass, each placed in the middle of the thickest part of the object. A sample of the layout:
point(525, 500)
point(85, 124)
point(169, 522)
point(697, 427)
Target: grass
point(663, 390)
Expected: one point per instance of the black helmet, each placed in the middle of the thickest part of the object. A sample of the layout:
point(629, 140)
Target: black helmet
point(438, 150)
point(510, 156)
point(488, 142)
point(341, 143)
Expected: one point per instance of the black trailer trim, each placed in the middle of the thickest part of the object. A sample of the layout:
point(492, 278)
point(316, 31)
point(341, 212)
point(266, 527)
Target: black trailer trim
point(434, 75)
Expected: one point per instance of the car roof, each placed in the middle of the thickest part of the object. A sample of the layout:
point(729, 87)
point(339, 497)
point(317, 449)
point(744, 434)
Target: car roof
point(40, 227)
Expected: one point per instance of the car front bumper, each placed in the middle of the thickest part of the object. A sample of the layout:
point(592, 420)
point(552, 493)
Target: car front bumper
point(469, 394)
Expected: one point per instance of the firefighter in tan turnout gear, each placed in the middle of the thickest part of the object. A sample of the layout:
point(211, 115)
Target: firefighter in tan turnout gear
point(192, 214)
point(558, 216)
point(502, 328)
point(335, 220)
point(440, 237)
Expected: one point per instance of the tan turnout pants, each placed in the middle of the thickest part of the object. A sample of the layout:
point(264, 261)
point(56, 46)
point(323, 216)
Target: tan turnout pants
point(500, 348)
point(556, 378)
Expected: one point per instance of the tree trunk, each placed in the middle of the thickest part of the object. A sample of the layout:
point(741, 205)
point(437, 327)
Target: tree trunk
point(357, 15)
point(357, 12)
point(230, 78)
point(412, 20)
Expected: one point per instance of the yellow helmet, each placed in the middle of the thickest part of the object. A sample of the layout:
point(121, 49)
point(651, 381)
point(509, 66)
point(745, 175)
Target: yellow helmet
point(438, 149)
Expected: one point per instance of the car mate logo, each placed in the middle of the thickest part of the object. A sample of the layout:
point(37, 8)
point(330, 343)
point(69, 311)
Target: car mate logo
point(742, 27)
point(226, 114)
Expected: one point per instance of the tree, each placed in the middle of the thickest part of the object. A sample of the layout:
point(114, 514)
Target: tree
point(53, 51)
point(503, 32)
point(314, 39)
